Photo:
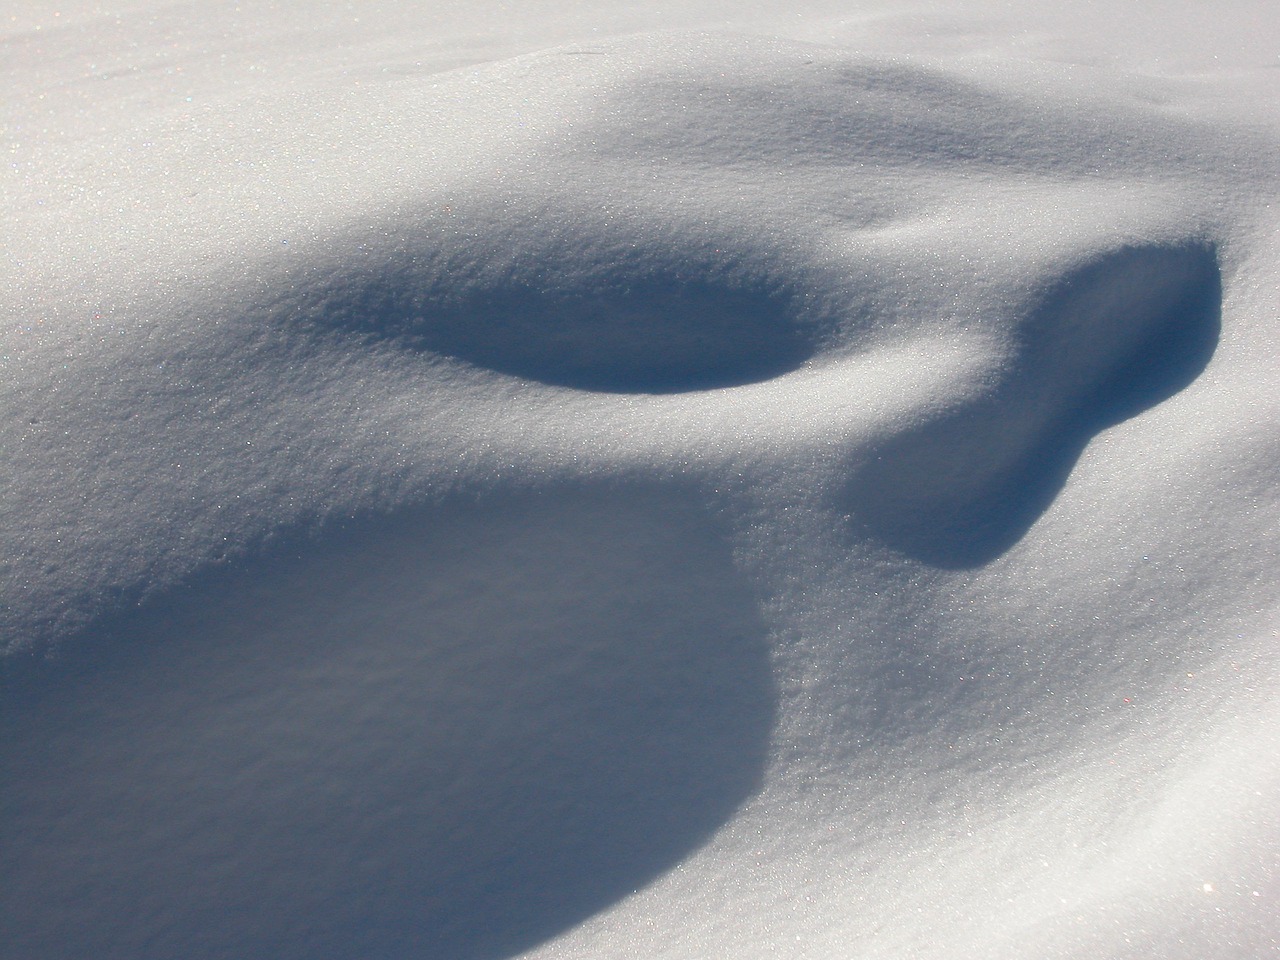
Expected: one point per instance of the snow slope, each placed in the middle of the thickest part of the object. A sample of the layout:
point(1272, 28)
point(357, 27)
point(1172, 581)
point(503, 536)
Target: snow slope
point(486, 483)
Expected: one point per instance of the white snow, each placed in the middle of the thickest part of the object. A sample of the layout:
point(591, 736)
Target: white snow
point(692, 481)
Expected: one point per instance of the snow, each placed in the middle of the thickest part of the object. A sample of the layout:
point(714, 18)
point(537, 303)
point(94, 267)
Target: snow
point(580, 481)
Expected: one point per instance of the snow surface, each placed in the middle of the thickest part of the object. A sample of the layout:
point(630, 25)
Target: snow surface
point(590, 481)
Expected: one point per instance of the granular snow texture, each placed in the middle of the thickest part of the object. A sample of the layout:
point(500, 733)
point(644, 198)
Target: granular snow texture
point(489, 483)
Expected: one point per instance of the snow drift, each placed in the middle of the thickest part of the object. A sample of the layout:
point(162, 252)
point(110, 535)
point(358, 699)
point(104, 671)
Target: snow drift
point(685, 496)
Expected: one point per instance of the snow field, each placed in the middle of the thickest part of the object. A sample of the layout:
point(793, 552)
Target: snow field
point(690, 495)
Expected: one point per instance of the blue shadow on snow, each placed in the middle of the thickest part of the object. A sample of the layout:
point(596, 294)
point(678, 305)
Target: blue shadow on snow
point(450, 733)
point(1110, 339)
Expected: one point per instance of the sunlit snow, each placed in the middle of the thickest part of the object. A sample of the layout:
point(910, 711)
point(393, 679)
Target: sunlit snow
point(691, 481)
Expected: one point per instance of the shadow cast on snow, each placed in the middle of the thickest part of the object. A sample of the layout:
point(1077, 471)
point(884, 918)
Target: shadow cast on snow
point(639, 325)
point(1111, 339)
point(451, 733)
point(459, 731)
